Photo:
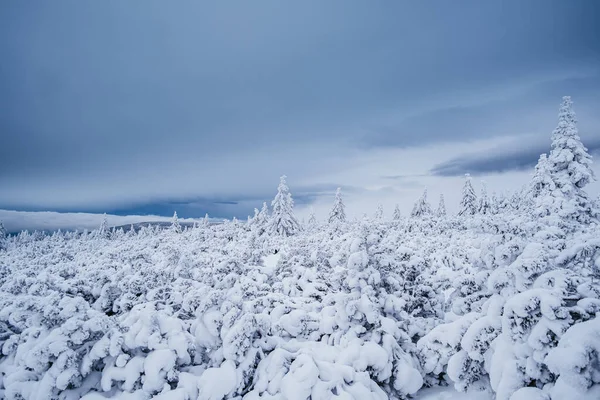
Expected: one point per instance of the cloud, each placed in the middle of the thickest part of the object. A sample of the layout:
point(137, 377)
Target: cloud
point(523, 105)
point(516, 156)
point(208, 104)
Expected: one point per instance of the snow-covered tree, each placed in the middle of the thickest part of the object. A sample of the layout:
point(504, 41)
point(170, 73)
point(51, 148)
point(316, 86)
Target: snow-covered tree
point(397, 214)
point(503, 203)
point(264, 213)
point(379, 212)
point(103, 230)
point(575, 362)
point(253, 221)
point(484, 206)
point(3, 235)
point(283, 222)
point(540, 192)
point(116, 234)
point(570, 165)
point(441, 210)
point(260, 221)
point(131, 232)
point(175, 226)
point(422, 206)
point(518, 199)
point(205, 220)
point(468, 203)
point(312, 219)
point(494, 203)
point(541, 183)
point(338, 211)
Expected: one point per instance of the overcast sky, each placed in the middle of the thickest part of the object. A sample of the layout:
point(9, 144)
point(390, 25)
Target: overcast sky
point(146, 107)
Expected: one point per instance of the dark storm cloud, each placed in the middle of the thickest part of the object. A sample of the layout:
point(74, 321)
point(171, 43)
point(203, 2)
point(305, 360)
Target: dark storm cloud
point(143, 100)
point(500, 160)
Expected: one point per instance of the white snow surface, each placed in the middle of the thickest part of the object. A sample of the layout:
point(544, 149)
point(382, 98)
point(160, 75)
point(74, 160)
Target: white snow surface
point(446, 393)
point(358, 310)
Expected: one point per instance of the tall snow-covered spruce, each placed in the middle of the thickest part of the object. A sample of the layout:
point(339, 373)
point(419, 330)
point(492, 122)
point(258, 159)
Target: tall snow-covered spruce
point(283, 222)
point(338, 211)
point(468, 202)
point(570, 166)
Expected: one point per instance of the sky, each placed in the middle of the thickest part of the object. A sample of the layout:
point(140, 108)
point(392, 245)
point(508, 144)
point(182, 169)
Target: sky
point(150, 107)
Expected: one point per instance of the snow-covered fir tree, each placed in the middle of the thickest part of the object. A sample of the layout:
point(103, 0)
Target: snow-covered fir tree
point(253, 221)
point(397, 214)
point(338, 211)
point(494, 207)
point(541, 183)
point(175, 226)
point(283, 222)
point(103, 231)
point(379, 212)
point(503, 201)
point(261, 219)
point(131, 232)
point(264, 213)
point(3, 235)
point(541, 189)
point(518, 199)
point(312, 219)
point(422, 206)
point(570, 166)
point(468, 202)
point(484, 206)
point(441, 210)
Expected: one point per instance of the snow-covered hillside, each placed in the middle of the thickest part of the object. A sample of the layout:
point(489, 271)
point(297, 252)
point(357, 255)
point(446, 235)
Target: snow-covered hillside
point(499, 301)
